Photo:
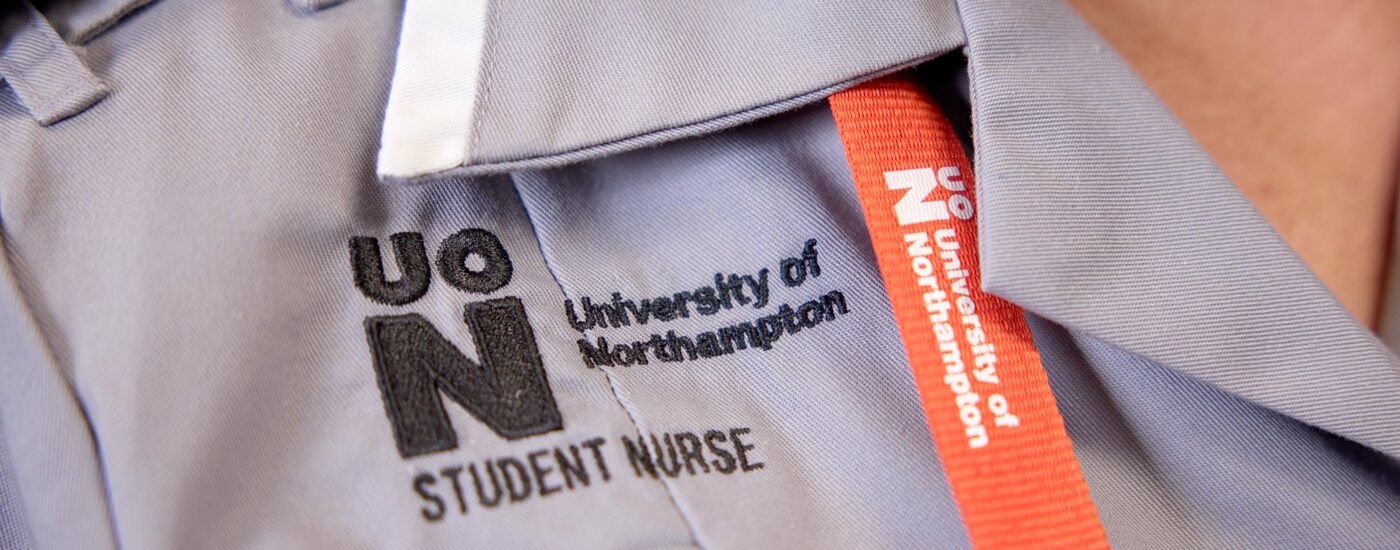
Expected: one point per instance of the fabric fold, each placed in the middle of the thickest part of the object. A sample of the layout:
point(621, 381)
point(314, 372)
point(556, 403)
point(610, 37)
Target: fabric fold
point(1101, 213)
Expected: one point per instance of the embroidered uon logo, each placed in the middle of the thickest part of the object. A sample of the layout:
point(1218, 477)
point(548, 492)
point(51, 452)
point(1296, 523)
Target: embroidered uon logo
point(506, 388)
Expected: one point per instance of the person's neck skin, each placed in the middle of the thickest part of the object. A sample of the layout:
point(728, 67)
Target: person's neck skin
point(1298, 102)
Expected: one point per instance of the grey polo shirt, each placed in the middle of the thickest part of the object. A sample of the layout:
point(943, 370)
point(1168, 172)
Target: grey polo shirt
point(525, 274)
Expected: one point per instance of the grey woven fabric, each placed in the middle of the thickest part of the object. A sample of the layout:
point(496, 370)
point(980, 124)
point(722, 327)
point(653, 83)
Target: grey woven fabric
point(1173, 462)
point(52, 493)
point(187, 362)
point(1102, 214)
point(14, 520)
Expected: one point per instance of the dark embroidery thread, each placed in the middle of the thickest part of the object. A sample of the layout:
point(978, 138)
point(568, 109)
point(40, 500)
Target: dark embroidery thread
point(453, 254)
point(368, 265)
point(415, 365)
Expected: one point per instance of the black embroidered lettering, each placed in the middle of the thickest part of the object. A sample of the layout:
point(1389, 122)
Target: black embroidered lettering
point(574, 470)
point(368, 268)
point(617, 313)
point(707, 345)
point(725, 464)
point(731, 289)
point(675, 467)
point(810, 314)
point(415, 364)
point(641, 314)
point(677, 344)
point(622, 355)
point(809, 257)
point(595, 445)
point(691, 453)
point(739, 337)
point(769, 330)
point(452, 261)
point(573, 316)
point(639, 352)
point(793, 271)
point(834, 302)
point(663, 309)
point(454, 473)
point(541, 473)
point(516, 479)
point(742, 450)
point(790, 322)
point(762, 333)
point(759, 287)
point(496, 490)
point(595, 356)
point(721, 292)
point(511, 479)
point(658, 348)
point(706, 302)
point(681, 299)
point(422, 484)
point(639, 456)
point(728, 291)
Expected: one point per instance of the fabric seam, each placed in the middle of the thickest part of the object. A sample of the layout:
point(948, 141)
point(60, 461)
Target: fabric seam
point(666, 134)
point(612, 382)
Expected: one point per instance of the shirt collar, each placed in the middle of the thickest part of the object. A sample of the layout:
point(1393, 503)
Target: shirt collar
point(1098, 211)
point(492, 86)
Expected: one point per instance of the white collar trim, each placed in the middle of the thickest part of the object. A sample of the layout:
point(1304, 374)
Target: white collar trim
point(429, 124)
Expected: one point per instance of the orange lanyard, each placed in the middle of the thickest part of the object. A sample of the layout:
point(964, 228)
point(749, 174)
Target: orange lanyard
point(986, 396)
